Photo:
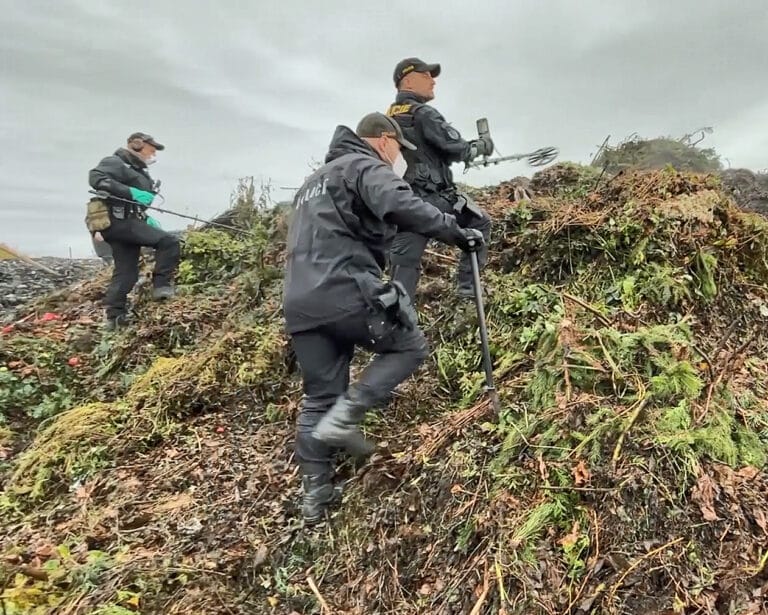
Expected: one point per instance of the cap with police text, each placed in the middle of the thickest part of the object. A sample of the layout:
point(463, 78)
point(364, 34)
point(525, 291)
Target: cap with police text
point(376, 125)
point(142, 136)
point(414, 65)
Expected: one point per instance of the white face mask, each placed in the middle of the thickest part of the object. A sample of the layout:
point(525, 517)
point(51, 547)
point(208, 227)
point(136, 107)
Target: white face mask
point(400, 166)
point(151, 160)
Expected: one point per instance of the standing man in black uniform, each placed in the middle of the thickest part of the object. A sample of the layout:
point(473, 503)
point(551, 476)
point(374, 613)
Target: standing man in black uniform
point(125, 176)
point(345, 216)
point(429, 172)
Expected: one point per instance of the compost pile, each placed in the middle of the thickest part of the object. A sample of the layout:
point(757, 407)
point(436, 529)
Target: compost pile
point(748, 189)
point(623, 474)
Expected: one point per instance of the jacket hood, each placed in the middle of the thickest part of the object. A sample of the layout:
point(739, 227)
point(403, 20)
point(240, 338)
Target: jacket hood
point(128, 157)
point(345, 141)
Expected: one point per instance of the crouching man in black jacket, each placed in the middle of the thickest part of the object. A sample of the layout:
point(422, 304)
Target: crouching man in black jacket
point(125, 177)
point(345, 217)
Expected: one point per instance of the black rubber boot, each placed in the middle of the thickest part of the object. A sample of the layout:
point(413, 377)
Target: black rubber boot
point(340, 428)
point(162, 293)
point(465, 292)
point(319, 494)
point(118, 322)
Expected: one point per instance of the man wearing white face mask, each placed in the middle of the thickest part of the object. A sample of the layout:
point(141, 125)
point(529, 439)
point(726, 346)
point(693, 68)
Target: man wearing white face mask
point(429, 171)
point(125, 177)
point(345, 216)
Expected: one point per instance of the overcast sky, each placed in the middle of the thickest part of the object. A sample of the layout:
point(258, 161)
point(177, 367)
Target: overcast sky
point(237, 88)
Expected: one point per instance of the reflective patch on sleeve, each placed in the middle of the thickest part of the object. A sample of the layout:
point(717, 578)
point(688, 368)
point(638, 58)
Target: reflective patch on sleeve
point(453, 133)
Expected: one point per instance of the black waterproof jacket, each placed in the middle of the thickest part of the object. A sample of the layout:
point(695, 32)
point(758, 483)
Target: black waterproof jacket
point(343, 222)
point(438, 144)
point(118, 173)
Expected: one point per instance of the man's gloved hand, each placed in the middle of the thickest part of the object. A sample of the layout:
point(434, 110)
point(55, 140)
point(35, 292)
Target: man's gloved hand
point(472, 240)
point(142, 196)
point(481, 147)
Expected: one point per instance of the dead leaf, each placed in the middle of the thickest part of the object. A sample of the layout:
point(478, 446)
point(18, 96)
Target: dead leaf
point(176, 502)
point(581, 473)
point(424, 430)
point(748, 472)
point(83, 492)
point(456, 489)
point(425, 589)
point(131, 483)
point(45, 551)
point(760, 519)
point(571, 537)
point(704, 494)
point(261, 556)
point(543, 468)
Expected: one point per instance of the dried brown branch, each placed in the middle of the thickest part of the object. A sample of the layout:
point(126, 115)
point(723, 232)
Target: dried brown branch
point(639, 561)
point(586, 306)
point(477, 609)
point(319, 596)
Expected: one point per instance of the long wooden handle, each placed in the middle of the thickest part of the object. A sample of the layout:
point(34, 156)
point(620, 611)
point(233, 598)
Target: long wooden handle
point(28, 260)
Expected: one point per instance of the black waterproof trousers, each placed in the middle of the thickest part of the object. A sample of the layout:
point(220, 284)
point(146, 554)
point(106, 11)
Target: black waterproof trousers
point(408, 248)
point(126, 238)
point(324, 355)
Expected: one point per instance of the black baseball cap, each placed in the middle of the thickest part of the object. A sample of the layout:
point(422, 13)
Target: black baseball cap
point(377, 124)
point(414, 65)
point(143, 136)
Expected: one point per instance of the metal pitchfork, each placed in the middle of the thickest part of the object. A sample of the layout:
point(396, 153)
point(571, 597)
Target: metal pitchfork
point(537, 158)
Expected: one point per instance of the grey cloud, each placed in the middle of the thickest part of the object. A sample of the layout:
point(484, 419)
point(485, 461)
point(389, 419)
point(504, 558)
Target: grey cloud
point(235, 90)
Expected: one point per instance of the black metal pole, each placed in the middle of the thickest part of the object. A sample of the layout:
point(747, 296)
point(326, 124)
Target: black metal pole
point(487, 364)
point(105, 195)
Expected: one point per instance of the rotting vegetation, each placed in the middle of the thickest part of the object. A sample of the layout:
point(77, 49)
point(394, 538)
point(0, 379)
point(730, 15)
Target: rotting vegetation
point(624, 474)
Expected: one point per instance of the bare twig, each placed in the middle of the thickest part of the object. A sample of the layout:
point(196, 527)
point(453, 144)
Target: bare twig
point(585, 489)
point(444, 257)
point(728, 332)
point(500, 580)
point(704, 356)
point(595, 557)
point(633, 417)
point(483, 595)
point(319, 596)
point(74, 606)
point(639, 561)
point(455, 424)
point(586, 306)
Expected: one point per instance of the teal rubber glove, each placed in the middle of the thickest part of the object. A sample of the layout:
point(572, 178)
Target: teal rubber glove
point(142, 196)
point(153, 223)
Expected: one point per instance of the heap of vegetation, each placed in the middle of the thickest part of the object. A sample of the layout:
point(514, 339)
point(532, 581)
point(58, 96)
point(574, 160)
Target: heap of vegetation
point(623, 474)
point(748, 189)
point(646, 154)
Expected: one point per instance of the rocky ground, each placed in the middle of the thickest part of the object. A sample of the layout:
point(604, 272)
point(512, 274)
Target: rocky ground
point(22, 282)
